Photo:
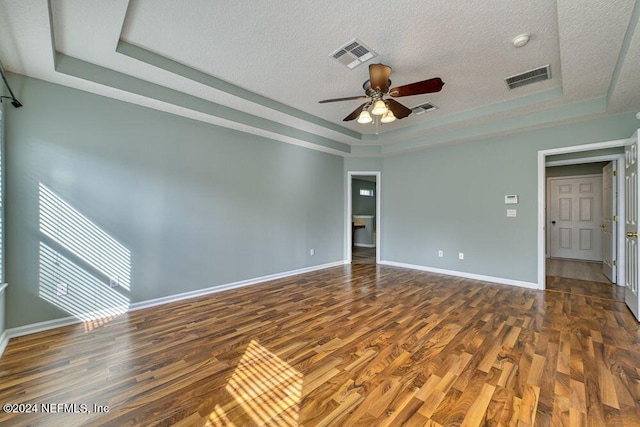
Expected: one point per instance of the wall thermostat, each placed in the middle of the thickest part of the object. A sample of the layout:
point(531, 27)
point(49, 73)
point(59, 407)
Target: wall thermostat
point(511, 199)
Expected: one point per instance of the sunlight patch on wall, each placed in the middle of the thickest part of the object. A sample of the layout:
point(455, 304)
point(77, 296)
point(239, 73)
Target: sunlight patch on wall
point(267, 388)
point(79, 263)
point(87, 298)
point(74, 232)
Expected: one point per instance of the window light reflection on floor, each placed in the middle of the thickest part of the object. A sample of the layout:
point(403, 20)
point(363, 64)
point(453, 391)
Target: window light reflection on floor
point(266, 387)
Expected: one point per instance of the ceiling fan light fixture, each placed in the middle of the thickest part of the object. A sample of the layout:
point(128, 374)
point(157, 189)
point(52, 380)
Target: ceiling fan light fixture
point(364, 117)
point(379, 108)
point(388, 117)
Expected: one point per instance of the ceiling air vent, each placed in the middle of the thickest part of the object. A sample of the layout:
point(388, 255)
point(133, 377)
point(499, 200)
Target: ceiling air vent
point(532, 76)
point(353, 54)
point(423, 108)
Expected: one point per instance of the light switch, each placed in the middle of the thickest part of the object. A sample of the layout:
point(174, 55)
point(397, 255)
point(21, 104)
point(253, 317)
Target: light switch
point(511, 212)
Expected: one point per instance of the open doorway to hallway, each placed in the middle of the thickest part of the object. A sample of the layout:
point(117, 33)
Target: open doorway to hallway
point(581, 221)
point(363, 217)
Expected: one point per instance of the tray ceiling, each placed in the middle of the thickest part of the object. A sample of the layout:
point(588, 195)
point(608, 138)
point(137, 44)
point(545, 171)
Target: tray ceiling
point(262, 67)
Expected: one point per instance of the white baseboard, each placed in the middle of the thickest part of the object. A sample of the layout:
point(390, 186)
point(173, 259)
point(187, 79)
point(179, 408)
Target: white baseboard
point(200, 292)
point(41, 326)
point(4, 340)
point(364, 245)
point(65, 321)
point(492, 279)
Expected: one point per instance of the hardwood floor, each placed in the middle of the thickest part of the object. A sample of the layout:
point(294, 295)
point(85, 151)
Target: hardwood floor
point(586, 288)
point(352, 345)
point(574, 269)
point(360, 255)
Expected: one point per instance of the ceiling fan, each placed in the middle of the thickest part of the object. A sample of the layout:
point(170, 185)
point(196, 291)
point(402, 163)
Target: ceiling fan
point(377, 87)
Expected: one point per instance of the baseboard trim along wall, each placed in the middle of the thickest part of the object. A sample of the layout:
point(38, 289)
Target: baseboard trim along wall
point(500, 280)
point(65, 321)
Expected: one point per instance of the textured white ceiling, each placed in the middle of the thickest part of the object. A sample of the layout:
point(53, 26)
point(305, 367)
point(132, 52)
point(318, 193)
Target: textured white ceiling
point(280, 50)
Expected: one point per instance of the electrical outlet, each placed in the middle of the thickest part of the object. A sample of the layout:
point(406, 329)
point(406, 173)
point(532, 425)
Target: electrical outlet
point(62, 289)
point(460, 255)
point(440, 254)
point(312, 252)
point(114, 282)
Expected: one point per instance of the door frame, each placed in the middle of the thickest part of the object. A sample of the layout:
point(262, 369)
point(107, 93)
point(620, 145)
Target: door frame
point(347, 223)
point(542, 196)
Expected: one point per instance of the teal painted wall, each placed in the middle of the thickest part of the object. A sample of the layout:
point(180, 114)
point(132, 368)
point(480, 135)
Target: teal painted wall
point(370, 164)
point(193, 204)
point(451, 198)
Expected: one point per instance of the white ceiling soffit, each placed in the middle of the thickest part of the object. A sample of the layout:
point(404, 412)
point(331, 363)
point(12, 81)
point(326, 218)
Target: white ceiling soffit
point(262, 67)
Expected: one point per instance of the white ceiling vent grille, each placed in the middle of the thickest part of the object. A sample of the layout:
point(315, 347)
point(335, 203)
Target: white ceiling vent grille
point(353, 54)
point(423, 108)
point(532, 76)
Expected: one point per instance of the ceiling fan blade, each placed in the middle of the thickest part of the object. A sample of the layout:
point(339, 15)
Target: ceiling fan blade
point(418, 88)
point(349, 98)
point(379, 76)
point(354, 115)
point(399, 110)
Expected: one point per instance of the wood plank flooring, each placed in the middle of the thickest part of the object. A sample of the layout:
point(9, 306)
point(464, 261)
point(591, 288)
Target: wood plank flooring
point(360, 255)
point(353, 345)
point(575, 269)
point(586, 288)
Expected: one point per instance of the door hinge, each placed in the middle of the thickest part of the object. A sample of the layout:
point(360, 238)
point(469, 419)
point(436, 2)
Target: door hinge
point(615, 173)
point(615, 217)
point(615, 263)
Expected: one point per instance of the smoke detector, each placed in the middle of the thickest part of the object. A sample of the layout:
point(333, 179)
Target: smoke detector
point(521, 40)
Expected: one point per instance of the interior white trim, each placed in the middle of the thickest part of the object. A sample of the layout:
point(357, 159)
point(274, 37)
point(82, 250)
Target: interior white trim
point(71, 320)
point(542, 164)
point(481, 277)
point(594, 159)
point(347, 221)
point(4, 340)
point(3, 287)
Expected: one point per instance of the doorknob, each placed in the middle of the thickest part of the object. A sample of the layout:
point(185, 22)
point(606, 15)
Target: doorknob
point(553, 222)
point(602, 225)
point(632, 234)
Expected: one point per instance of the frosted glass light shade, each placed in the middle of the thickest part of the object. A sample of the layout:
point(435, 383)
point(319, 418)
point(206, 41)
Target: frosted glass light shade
point(364, 117)
point(388, 118)
point(379, 108)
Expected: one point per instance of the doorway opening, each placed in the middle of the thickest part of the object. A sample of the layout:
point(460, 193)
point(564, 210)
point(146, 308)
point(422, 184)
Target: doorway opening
point(578, 204)
point(552, 240)
point(362, 233)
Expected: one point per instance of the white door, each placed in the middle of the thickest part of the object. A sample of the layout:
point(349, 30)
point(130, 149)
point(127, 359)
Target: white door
point(631, 226)
point(575, 217)
point(609, 218)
